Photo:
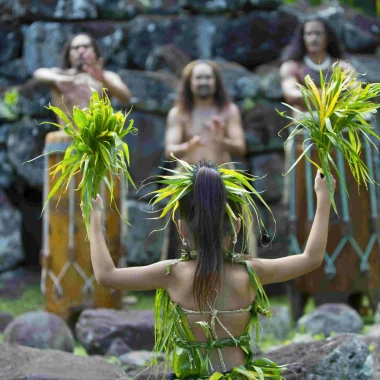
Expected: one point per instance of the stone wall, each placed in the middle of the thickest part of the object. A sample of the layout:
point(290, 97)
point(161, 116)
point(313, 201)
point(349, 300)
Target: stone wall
point(148, 43)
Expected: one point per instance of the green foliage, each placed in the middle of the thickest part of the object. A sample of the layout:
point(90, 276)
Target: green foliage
point(336, 117)
point(8, 105)
point(239, 191)
point(79, 350)
point(97, 151)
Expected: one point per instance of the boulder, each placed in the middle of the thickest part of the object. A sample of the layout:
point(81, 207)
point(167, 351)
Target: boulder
point(118, 10)
point(270, 166)
point(151, 91)
point(240, 83)
point(40, 329)
point(18, 362)
point(270, 84)
point(5, 320)
point(142, 247)
point(213, 6)
point(278, 327)
point(262, 124)
point(14, 71)
point(329, 318)
point(11, 250)
point(26, 140)
point(137, 358)
point(118, 348)
point(193, 35)
point(372, 338)
point(344, 356)
point(146, 149)
point(167, 58)
point(14, 283)
point(242, 39)
point(96, 329)
point(366, 65)
point(10, 43)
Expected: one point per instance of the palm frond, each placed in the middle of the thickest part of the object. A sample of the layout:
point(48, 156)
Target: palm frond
point(97, 151)
point(337, 119)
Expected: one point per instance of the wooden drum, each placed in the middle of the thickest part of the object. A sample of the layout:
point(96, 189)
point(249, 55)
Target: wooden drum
point(351, 264)
point(68, 282)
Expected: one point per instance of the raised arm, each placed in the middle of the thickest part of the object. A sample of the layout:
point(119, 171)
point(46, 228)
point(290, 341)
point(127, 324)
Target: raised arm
point(287, 268)
point(51, 76)
point(106, 274)
point(174, 137)
point(288, 77)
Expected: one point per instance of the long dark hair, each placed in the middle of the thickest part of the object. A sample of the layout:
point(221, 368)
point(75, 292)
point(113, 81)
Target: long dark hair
point(204, 211)
point(297, 50)
point(185, 100)
point(65, 56)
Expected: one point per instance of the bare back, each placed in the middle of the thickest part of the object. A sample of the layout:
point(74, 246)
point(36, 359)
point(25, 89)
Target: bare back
point(235, 293)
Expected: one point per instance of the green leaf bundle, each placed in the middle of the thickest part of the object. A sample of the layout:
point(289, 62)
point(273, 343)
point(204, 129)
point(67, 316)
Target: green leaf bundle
point(337, 117)
point(97, 150)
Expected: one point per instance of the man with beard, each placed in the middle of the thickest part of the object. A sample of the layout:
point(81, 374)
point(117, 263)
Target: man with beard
point(204, 124)
point(81, 68)
point(315, 46)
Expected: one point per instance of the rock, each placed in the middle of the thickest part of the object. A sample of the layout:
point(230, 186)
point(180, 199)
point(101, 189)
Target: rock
point(372, 338)
point(137, 358)
point(240, 83)
point(11, 250)
point(146, 149)
point(96, 329)
point(279, 326)
point(10, 43)
point(7, 173)
point(213, 6)
point(118, 348)
point(167, 58)
point(14, 283)
point(151, 92)
point(14, 71)
point(330, 317)
point(118, 10)
point(142, 247)
point(40, 329)
point(270, 166)
point(193, 35)
point(5, 320)
point(18, 362)
point(270, 85)
point(377, 314)
point(26, 140)
point(344, 356)
point(44, 42)
point(361, 33)
point(241, 39)
point(368, 65)
point(59, 10)
point(262, 124)
point(263, 4)
point(33, 99)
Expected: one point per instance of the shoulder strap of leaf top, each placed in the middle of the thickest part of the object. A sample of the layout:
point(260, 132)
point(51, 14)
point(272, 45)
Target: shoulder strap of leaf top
point(262, 302)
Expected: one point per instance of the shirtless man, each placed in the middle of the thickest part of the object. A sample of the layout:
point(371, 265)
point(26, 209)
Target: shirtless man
point(81, 68)
point(204, 124)
point(315, 46)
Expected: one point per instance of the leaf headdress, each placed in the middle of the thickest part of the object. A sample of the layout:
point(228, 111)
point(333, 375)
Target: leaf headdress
point(238, 183)
point(97, 150)
point(336, 117)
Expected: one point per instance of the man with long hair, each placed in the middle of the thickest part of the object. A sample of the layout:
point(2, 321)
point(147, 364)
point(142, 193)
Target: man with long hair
point(315, 46)
point(204, 124)
point(81, 68)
